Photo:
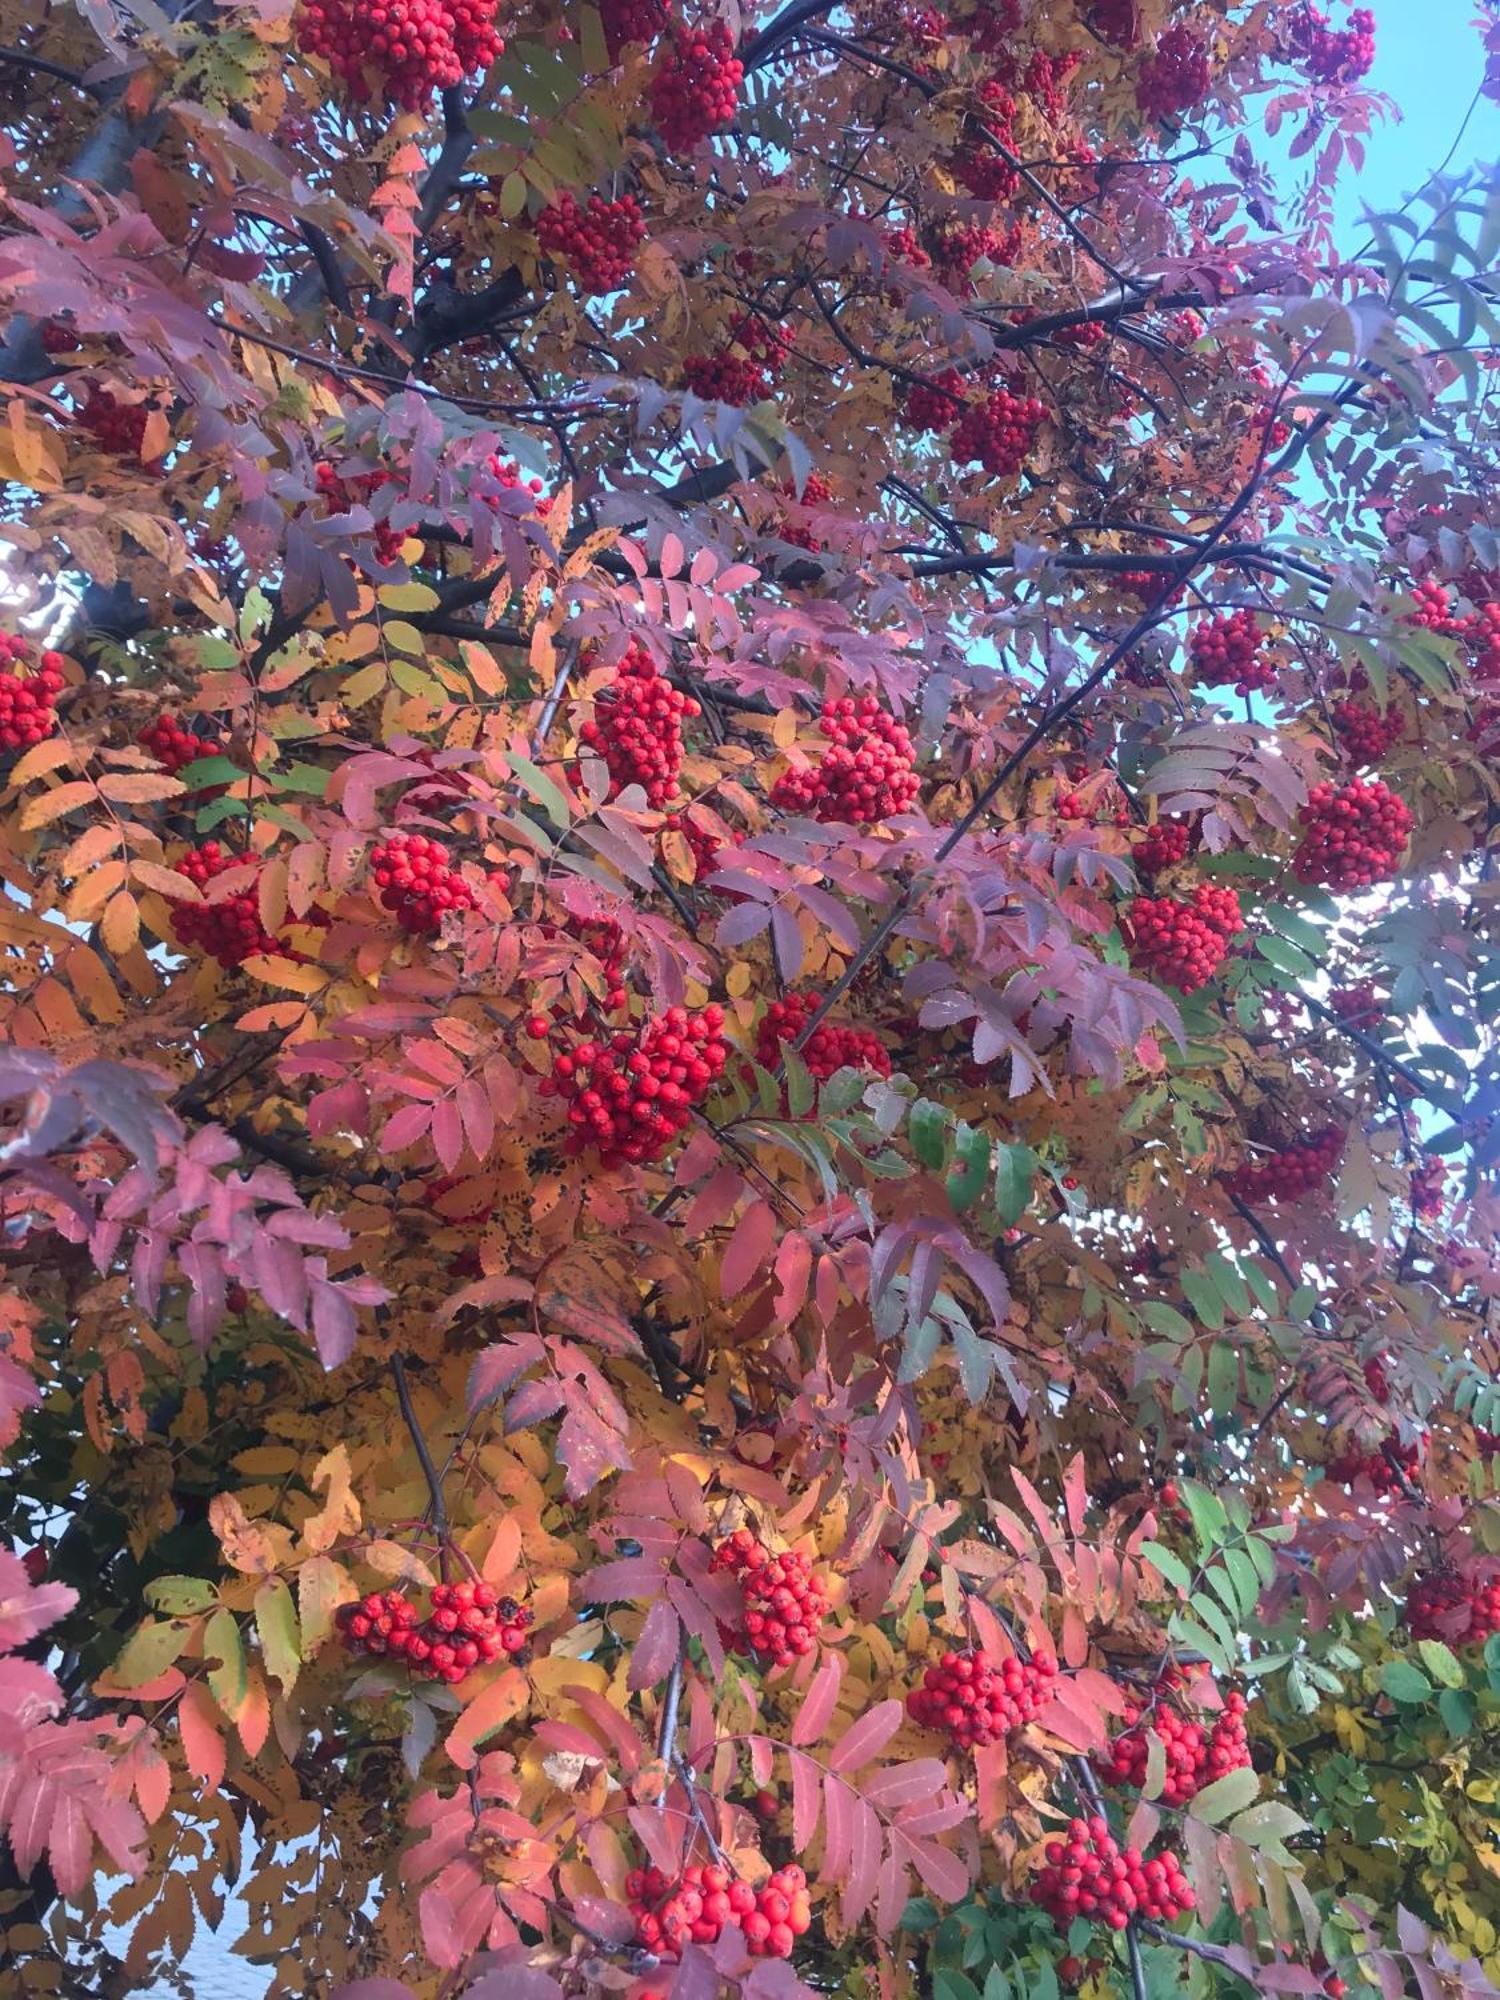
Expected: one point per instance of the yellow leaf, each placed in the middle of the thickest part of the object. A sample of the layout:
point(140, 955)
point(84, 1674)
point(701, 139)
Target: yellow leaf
point(139, 788)
point(390, 1559)
point(554, 1675)
point(784, 729)
point(286, 972)
point(121, 923)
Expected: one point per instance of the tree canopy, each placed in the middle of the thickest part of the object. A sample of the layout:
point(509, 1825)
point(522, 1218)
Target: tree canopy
point(748, 772)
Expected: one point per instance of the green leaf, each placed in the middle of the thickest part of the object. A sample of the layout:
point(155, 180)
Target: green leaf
point(927, 1125)
point(180, 1596)
point(404, 637)
point(1441, 1663)
point(1267, 1825)
point(1303, 1303)
point(547, 795)
point(1456, 1707)
point(1171, 1565)
point(1202, 1295)
point(1207, 1512)
point(1403, 1681)
point(1014, 1169)
point(800, 1089)
point(971, 1171)
point(309, 778)
point(950, 1985)
point(1308, 936)
point(1231, 1285)
point(149, 1651)
point(224, 1649)
point(1287, 958)
point(205, 771)
point(277, 1628)
point(1166, 1320)
point(1232, 1793)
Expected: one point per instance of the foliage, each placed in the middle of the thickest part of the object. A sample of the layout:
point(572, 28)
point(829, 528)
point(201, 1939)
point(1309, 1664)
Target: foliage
point(746, 797)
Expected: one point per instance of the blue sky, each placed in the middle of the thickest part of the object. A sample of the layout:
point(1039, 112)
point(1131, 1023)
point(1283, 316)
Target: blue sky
point(1429, 58)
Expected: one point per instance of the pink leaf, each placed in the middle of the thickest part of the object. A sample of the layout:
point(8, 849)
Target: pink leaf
point(867, 1737)
point(820, 1700)
point(748, 1248)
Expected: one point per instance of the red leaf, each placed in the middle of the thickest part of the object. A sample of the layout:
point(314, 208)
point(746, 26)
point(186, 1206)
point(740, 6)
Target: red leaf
point(806, 1800)
point(656, 1648)
point(748, 1248)
point(820, 1701)
point(867, 1737)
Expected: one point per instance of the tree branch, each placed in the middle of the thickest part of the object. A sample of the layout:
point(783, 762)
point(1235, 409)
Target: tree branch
point(437, 1511)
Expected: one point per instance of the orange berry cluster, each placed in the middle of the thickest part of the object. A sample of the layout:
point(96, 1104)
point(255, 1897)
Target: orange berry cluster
point(1332, 55)
point(114, 425)
point(1388, 1468)
point(1184, 942)
point(1163, 846)
point(415, 882)
point(933, 405)
point(400, 50)
point(1175, 76)
point(629, 21)
point(868, 772)
point(1196, 1755)
point(697, 1906)
point(1353, 834)
point(696, 87)
point(466, 1627)
point(1365, 734)
point(1225, 652)
point(638, 730)
point(597, 243)
point(338, 495)
point(28, 701)
point(632, 1095)
point(975, 1701)
point(827, 1048)
point(1457, 1609)
point(1291, 1172)
point(1090, 1875)
point(230, 931)
point(172, 745)
point(784, 1599)
point(999, 432)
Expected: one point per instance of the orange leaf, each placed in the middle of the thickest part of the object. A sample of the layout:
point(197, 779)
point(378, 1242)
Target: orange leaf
point(139, 788)
point(490, 1710)
point(202, 1745)
point(52, 805)
point(121, 925)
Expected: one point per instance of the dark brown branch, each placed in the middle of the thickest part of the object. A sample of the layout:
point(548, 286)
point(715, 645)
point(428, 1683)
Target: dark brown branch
point(20, 59)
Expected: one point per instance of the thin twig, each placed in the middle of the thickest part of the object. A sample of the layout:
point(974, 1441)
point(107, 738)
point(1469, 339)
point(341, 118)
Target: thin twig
point(437, 1511)
point(666, 1730)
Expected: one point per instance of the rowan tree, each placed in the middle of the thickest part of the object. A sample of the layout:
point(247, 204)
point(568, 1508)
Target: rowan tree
point(747, 781)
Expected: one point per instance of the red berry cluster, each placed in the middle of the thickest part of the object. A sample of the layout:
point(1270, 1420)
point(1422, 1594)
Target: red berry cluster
point(1163, 845)
point(1196, 1755)
point(697, 1907)
point(174, 746)
point(1225, 652)
point(597, 243)
point(1434, 611)
point(866, 774)
point(1291, 1172)
point(976, 1702)
point(1366, 735)
point(338, 495)
point(1090, 1875)
point(1332, 55)
point(115, 426)
point(230, 931)
point(696, 87)
point(415, 882)
point(784, 1600)
point(1457, 1609)
point(400, 50)
point(816, 492)
point(827, 1049)
point(28, 700)
point(631, 1095)
point(1150, 587)
point(638, 729)
point(1353, 835)
point(725, 378)
point(958, 246)
point(467, 1626)
point(933, 405)
point(904, 246)
point(1359, 1005)
point(1116, 21)
point(999, 432)
point(629, 21)
point(978, 168)
point(1184, 942)
point(706, 848)
point(1389, 1468)
point(508, 474)
point(1429, 1187)
point(1175, 76)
